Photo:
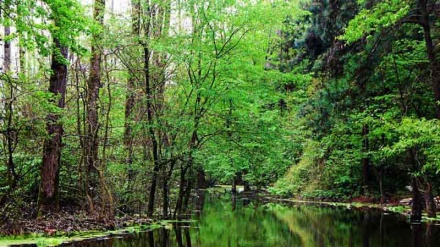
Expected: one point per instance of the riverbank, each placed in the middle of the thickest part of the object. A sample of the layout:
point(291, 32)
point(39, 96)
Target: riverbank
point(77, 226)
point(60, 237)
point(64, 227)
point(66, 224)
point(236, 221)
point(394, 207)
point(397, 205)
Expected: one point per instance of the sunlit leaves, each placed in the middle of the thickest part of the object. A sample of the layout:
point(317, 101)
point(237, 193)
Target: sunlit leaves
point(416, 133)
point(384, 14)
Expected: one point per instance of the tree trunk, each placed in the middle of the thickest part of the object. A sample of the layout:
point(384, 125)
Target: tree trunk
point(11, 142)
point(188, 237)
point(178, 234)
point(156, 25)
point(234, 201)
point(48, 194)
point(130, 100)
point(181, 195)
point(434, 65)
point(151, 132)
point(165, 197)
point(416, 206)
point(7, 51)
point(365, 160)
point(246, 186)
point(93, 85)
point(95, 182)
point(131, 95)
point(166, 190)
point(10, 133)
point(201, 179)
point(382, 192)
point(187, 194)
point(234, 185)
point(429, 236)
point(429, 201)
point(22, 54)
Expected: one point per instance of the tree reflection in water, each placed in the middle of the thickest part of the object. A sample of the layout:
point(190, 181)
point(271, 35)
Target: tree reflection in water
point(237, 221)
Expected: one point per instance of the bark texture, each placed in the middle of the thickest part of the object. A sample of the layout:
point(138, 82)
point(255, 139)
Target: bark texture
point(92, 121)
point(48, 194)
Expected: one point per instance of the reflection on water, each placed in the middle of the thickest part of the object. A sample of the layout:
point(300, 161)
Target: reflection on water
point(221, 222)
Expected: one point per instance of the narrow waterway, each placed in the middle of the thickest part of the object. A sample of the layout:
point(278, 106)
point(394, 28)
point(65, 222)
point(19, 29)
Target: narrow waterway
point(222, 221)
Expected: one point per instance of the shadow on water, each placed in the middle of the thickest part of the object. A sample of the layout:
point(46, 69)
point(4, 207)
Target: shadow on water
point(237, 221)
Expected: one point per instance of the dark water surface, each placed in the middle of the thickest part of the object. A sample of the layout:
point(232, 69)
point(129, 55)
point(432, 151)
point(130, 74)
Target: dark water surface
point(219, 223)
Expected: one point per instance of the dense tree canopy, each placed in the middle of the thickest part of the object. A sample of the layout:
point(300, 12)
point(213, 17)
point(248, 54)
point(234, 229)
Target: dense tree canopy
point(133, 111)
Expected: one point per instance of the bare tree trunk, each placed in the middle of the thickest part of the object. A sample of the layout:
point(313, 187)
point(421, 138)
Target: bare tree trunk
point(48, 195)
point(95, 180)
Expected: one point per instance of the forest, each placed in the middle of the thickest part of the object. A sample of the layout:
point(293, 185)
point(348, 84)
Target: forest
point(132, 107)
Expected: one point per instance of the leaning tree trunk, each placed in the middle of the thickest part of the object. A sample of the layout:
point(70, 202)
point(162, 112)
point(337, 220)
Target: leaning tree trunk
point(48, 194)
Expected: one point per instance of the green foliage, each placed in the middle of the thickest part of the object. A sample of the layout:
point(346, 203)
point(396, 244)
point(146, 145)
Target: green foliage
point(384, 14)
point(64, 20)
point(421, 134)
point(286, 94)
point(369, 103)
point(301, 177)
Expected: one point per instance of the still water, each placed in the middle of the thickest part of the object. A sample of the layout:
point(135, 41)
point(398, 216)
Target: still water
point(222, 222)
